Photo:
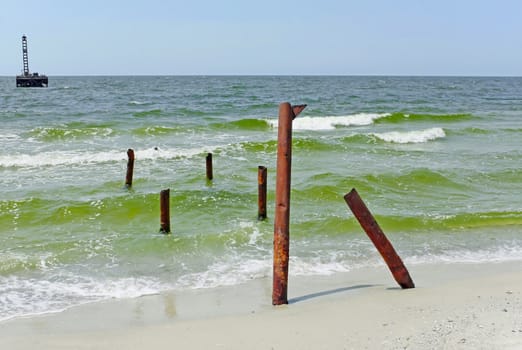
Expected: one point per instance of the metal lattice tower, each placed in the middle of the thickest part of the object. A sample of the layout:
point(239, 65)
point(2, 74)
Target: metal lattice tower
point(24, 55)
point(28, 79)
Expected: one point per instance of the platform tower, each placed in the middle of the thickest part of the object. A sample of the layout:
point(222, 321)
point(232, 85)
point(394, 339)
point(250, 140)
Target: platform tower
point(25, 56)
point(28, 79)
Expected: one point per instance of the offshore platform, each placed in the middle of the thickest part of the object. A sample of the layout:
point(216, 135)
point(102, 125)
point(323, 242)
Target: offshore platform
point(29, 79)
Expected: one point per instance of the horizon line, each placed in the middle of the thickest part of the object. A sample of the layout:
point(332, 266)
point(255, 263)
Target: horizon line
point(281, 75)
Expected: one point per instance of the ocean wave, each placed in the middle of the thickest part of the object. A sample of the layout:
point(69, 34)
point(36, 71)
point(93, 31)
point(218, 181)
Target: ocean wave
point(157, 130)
point(332, 122)
point(246, 124)
point(498, 254)
point(266, 147)
point(243, 254)
point(152, 112)
point(451, 222)
point(416, 136)
point(138, 103)
point(413, 117)
point(57, 291)
point(59, 158)
point(9, 137)
point(55, 158)
point(67, 132)
point(23, 297)
point(473, 131)
point(190, 112)
point(309, 144)
point(362, 119)
point(232, 271)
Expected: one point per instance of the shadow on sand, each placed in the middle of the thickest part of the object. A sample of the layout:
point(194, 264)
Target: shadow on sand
point(328, 292)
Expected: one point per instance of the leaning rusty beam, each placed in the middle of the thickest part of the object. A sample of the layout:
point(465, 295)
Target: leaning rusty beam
point(383, 245)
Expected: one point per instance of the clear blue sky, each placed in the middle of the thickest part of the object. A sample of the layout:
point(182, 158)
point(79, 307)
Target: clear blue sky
point(229, 37)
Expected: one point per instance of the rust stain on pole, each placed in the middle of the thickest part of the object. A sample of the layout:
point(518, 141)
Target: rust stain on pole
point(130, 168)
point(261, 189)
point(165, 211)
point(282, 206)
point(376, 235)
point(210, 174)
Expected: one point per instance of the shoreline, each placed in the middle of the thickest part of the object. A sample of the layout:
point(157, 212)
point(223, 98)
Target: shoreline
point(454, 306)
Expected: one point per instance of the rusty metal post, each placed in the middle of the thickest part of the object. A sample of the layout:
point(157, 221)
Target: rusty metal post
point(165, 211)
point(210, 174)
point(130, 168)
point(383, 245)
point(282, 206)
point(261, 189)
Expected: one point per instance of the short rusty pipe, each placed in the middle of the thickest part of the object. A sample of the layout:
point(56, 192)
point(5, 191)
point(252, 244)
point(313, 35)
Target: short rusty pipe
point(130, 168)
point(261, 189)
point(165, 211)
point(287, 114)
point(210, 171)
point(376, 235)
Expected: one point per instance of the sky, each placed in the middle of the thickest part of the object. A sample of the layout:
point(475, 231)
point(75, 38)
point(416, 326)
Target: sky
point(263, 37)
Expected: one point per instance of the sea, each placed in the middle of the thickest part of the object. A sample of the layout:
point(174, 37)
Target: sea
point(437, 160)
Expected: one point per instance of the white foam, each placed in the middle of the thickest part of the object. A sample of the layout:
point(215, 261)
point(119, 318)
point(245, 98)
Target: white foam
point(29, 296)
point(314, 266)
point(21, 297)
point(417, 136)
point(82, 157)
point(155, 153)
point(331, 122)
point(509, 251)
point(226, 273)
point(240, 268)
point(46, 131)
point(59, 158)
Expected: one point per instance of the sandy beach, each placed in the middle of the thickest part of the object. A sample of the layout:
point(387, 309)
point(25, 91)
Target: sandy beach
point(454, 306)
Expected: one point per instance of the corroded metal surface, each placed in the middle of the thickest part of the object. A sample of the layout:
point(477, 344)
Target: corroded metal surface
point(130, 168)
point(165, 211)
point(282, 206)
point(261, 189)
point(376, 235)
point(210, 170)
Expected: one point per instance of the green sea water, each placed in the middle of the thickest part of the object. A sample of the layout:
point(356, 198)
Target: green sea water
point(436, 159)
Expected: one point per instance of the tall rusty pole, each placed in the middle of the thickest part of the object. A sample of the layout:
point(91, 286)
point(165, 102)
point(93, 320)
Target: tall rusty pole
point(287, 113)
